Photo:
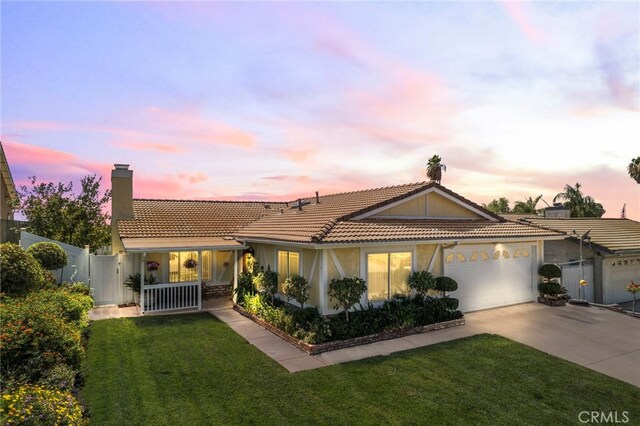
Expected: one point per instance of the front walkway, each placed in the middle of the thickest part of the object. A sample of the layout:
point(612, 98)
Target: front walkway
point(596, 338)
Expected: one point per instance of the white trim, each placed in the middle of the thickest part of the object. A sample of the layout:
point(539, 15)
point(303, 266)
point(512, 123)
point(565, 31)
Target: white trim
point(313, 266)
point(437, 251)
point(324, 284)
point(200, 279)
point(337, 263)
point(186, 248)
point(421, 193)
point(424, 218)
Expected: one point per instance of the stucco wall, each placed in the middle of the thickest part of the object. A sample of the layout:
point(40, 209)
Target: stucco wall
point(425, 253)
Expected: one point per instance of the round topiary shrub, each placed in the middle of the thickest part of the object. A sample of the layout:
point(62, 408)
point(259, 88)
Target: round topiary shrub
point(50, 255)
point(451, 303)
point(446, 284)
point(21, 273)
point(422, 282)
point(550, 271)
point(551, 288)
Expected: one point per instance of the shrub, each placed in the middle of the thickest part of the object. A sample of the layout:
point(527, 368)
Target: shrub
point(450, 303)
point(551, 288)
point(72, 307)
point(60, 376)
point(266, 282)
point(446, 284)
point(21, 273)
point(245, 286)
point(35, 336)
point(36, 405)
point(346, 292)
point(50, 255)
point(550, 271)
point(422, 282)
point(78, 287)
point(297, 288)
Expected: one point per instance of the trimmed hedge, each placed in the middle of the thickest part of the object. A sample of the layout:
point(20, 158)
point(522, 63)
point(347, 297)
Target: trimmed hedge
point(50, 255)
point(550, 271)
point(21, 272)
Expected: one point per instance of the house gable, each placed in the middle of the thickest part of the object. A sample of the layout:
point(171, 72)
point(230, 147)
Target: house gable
point(429, 204)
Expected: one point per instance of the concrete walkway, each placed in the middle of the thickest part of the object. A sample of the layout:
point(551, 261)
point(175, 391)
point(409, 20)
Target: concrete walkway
point(596, 338)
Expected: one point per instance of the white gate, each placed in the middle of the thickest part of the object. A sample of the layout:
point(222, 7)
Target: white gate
point(77, 268)
point(105, 283)
point(571, 281)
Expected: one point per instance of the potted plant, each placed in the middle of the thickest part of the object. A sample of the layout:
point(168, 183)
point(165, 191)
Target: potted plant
point(551, 292)
point(133, 283)
point(190, 263)
point(152, 268)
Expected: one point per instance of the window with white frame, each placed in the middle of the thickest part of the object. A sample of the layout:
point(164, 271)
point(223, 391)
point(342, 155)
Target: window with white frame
point(388, 274)
point(178, 272)
point(288, 264)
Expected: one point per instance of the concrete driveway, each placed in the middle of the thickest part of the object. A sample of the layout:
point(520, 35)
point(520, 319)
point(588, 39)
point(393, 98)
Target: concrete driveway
point(596, 338)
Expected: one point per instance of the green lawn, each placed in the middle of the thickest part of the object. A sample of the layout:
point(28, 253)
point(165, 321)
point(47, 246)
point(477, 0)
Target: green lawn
point(193, 369)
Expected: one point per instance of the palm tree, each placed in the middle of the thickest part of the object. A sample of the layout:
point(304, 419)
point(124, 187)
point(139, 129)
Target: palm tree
point(527, 206)
point(634, 169)
point(580, 205)
point(435, 168)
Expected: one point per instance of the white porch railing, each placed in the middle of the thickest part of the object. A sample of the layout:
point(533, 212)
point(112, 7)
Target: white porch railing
point(168, 297)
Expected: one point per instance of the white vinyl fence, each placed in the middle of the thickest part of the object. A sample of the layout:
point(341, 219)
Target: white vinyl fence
point(571, 280)
point(99, 271)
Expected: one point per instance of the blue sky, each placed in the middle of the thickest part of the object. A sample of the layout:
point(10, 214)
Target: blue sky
point(276, 100)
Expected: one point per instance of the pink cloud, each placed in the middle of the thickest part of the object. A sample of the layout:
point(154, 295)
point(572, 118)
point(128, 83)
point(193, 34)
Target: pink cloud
point(521, 14)
point(40, 125)
point(32, 155)
point(158, 187)
point(194, 178)
point(149, 146)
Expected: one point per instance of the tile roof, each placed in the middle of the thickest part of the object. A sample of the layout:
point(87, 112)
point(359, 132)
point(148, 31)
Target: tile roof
point(383, 230)
point(330, 221)
point(177, 218)
point(614, 235)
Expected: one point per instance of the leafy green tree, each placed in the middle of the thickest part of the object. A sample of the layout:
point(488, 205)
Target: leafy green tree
point(54, 211)
point(498, 206)
point(435, 168)
point(579, 204)
point(346, 292)
point(422, 282)
point(527, 206)
point(297, 288)
point(634, 169)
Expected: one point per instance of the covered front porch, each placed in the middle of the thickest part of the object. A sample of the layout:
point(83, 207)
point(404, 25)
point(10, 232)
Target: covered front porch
point(174, 270)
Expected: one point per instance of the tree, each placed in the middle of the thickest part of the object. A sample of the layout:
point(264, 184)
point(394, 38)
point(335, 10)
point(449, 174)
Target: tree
point(50, 256)
point(267, 282)
point(634, 169)
point(422, 282)
point(54, 211)
point(498, 206)
point(435, 168)
point(527, 206)
point(297, 288)
point(579, 204)
point(346, 292)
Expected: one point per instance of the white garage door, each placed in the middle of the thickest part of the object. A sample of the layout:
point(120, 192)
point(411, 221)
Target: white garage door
point(490, 276)
point(623, 270)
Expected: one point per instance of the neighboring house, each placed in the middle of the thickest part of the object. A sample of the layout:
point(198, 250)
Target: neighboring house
point(381, 235)
point(613, 250)
point(8, 200)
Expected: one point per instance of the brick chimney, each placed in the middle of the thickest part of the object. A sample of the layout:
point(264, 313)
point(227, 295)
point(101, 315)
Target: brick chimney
point(558, 211)
point(121, 201)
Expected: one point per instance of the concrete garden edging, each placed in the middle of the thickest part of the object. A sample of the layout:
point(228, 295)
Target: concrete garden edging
point(313, 349)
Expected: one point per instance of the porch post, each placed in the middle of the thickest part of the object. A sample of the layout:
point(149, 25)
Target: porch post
point(235, 275)
point(142, 268)
point(199, 279)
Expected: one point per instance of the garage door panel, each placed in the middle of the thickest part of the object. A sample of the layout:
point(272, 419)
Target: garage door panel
point(623, 270)
point(501, 280)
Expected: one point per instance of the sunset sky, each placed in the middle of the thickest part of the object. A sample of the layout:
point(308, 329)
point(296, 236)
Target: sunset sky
point(277, 100)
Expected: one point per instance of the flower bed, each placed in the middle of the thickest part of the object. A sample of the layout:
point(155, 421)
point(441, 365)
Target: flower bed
point(312, 333)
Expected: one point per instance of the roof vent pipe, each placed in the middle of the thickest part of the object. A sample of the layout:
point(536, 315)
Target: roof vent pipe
point(300, 204)
point(317, 198)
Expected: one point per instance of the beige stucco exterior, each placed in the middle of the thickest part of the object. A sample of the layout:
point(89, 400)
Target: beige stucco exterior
point(432, 205)
point(121, 202)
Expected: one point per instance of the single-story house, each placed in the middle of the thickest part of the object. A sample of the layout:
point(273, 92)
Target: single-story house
point(611, 252)
point(380, 235)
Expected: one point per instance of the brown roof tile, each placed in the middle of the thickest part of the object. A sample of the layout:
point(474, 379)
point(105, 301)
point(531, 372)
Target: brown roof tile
point(176, 218)
point(615, 235)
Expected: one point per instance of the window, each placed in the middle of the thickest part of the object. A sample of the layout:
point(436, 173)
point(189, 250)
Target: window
point(288, 264)
point(177, 271)
point(387, 274)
